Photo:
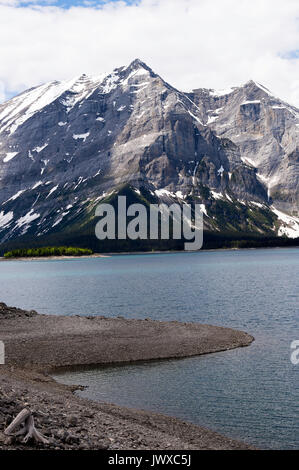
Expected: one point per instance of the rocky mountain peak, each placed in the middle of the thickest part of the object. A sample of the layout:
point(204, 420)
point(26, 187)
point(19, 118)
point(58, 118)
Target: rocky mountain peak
point(137, 63)
point(254, 89)
point(65, 145)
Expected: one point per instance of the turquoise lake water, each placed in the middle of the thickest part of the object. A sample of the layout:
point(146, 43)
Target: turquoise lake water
point(249, 393)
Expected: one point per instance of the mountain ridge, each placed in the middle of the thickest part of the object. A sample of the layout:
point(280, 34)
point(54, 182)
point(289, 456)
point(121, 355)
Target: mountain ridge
point(66, 145)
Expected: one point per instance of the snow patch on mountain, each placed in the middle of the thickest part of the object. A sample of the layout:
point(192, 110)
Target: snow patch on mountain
point(135, 73)
point(5, 219)
point(212, 119)
point(195, 117)
point(15, 196)
point(289, 226)
point(258, 204)
point(25, 105)
point(217, 195)
point(164, 192)
point(60, 218)
point(9, 156)
point(248, 161)
point(221, 92)
point(81, 136)
point(110, 83)
point(203, 209)
point(39, 149)
point(27, 219)
point(251, 102)
point(52, 191)
point(37, 184)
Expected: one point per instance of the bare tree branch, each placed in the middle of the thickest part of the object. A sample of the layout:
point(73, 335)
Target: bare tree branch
point(26, 421)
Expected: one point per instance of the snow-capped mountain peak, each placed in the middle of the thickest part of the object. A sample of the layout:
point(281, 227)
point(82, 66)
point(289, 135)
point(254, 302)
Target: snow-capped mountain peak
point(64, 144)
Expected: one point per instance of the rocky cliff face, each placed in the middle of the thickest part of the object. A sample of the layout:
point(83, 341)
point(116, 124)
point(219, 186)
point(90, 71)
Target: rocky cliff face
point(65, 146)
point(266, 132)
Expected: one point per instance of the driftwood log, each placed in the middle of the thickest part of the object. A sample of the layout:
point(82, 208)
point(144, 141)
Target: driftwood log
point(25, 421)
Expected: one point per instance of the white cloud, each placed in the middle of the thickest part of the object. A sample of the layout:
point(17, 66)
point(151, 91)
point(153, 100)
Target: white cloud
point(2, 92)
point(190, 43)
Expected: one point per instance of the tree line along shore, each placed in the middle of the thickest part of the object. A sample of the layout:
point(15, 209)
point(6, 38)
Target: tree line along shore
point(48, 251)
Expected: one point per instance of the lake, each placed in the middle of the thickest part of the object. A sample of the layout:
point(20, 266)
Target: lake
point(249, 393)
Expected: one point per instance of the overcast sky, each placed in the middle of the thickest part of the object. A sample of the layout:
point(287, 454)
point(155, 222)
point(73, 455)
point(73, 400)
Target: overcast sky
point(190, 43)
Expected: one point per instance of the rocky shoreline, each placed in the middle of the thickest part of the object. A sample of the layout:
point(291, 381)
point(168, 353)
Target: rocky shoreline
point(37, 344)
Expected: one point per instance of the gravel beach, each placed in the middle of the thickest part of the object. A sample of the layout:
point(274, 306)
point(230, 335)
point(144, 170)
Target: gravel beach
point(36, 345)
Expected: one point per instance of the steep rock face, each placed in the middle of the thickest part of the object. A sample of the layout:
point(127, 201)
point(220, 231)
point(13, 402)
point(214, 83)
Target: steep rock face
point(266, 131)
point(67, 145)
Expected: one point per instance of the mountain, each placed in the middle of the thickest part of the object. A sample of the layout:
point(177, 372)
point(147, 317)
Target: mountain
point(64, 146)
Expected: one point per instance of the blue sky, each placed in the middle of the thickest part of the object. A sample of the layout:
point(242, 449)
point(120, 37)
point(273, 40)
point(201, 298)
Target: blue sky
point(66, 4)
point(190, 43)
point(289, 55)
